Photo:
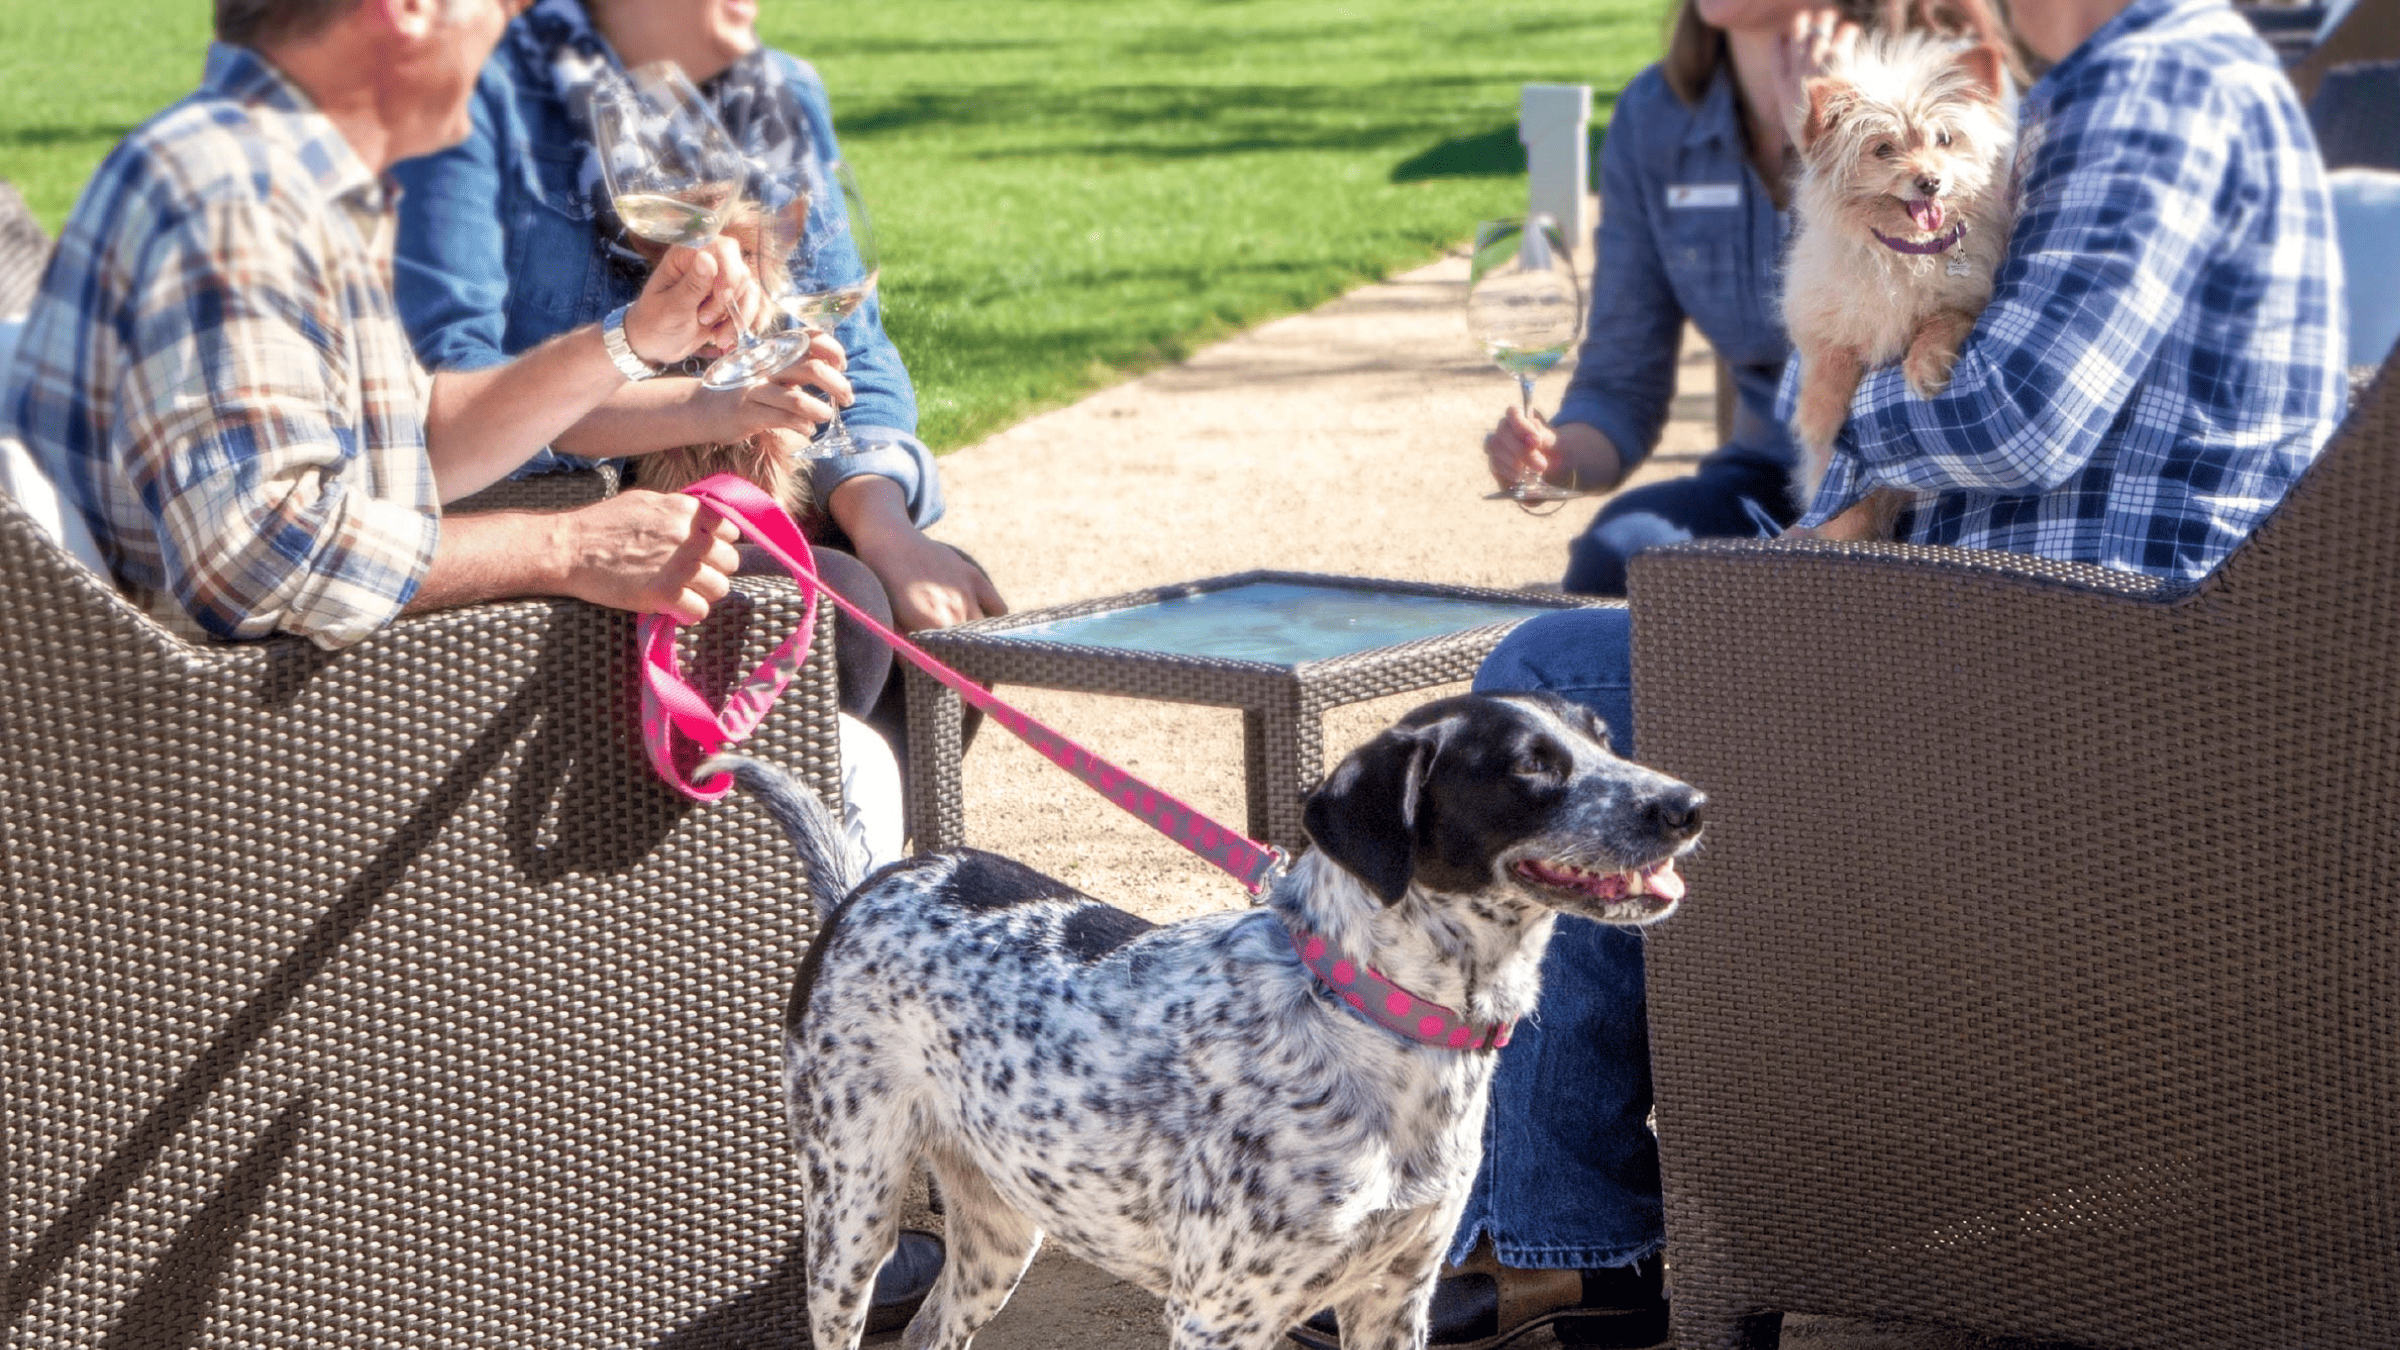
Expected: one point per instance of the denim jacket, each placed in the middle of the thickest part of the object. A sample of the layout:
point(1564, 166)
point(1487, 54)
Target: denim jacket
point(1687, 229)
point(495, 256)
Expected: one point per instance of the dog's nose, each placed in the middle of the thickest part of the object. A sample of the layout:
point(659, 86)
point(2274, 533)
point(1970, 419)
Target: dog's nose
point(1674, 815)
point(1929, 184)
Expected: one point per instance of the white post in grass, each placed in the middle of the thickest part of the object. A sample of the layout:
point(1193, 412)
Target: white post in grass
point(1551, 121)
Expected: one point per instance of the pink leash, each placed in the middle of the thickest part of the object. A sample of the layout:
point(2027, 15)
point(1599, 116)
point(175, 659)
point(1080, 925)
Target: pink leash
point(679, 729)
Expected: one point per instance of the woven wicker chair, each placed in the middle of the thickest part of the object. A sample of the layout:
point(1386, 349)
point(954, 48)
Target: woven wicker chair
point(2042, 974)
point(385, 998)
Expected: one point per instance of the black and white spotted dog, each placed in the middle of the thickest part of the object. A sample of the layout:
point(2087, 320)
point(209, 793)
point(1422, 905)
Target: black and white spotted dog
point(1254, 1114)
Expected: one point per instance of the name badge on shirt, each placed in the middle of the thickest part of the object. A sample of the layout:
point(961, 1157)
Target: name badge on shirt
point(1703, 196)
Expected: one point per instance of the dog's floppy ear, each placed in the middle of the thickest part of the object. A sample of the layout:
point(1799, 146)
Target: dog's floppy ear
point(1364, 815)
point(1829, 100)
point(1984, 65)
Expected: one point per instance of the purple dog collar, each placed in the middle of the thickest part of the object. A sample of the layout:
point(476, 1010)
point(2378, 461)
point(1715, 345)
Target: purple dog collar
point(1388, 1005)
point(1942, 244)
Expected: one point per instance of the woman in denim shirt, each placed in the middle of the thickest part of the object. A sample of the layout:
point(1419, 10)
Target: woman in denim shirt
point(1691, 226)
point(501, 248)
point(1565, 1227)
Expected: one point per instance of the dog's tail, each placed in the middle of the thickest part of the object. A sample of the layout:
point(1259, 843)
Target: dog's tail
point(814, 833)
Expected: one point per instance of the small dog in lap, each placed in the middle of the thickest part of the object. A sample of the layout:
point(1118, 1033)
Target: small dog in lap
point(1254, 1114)
point(1903, 209)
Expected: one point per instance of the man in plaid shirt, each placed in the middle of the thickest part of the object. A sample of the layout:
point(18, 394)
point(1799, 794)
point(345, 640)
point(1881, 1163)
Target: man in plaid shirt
point(2162, 354)
point(2160, 360)
point(214, 375)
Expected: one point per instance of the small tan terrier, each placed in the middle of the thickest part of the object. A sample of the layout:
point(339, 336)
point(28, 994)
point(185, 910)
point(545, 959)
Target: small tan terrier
point(1903, 207)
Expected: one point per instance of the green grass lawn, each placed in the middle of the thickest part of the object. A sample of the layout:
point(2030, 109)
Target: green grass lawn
point(1067, 190)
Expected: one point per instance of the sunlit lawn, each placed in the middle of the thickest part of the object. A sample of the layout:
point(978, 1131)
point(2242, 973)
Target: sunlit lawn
point(1066, 189)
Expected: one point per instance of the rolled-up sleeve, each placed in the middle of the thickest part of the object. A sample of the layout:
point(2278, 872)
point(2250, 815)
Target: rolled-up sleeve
point(885, 453)
point(266, 503)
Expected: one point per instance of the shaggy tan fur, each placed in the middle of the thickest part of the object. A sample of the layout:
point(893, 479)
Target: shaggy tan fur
point(1909, 139)
point(771, 458)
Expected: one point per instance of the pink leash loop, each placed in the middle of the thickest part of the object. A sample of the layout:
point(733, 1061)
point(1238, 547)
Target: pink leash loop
point(671, 707)
point(1253, 864)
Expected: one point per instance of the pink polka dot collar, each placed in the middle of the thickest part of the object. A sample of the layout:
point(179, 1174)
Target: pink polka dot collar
point(1388, 1005)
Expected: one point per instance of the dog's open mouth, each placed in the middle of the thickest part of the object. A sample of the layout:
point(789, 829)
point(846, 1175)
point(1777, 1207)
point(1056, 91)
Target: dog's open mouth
point(1927, 213)
point(1658, 880)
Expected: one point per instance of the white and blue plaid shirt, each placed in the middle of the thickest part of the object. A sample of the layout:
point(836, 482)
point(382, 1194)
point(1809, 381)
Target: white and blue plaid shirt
point(2162, 355)
point(214, 374)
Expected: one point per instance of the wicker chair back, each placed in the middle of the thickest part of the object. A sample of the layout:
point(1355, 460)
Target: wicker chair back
point(383, 997)
point(2042, 970)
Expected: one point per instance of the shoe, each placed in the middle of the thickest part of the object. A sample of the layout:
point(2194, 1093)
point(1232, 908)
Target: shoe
point(1482, 1305)
point(906, 1278)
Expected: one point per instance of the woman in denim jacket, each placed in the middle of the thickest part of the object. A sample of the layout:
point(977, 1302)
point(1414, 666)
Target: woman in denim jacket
point(1692, 181)
point(1565, 1227)
point(506, 240)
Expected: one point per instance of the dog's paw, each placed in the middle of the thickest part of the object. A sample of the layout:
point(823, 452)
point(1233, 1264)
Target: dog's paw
point(1927, 368)
point(1933, 352)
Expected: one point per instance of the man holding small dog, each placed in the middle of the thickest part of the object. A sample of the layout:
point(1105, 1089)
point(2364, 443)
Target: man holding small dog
point(214, 374)
point(2160, 360)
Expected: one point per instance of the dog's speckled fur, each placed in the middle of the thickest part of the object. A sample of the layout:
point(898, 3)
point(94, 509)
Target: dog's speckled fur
point(1187, 1107)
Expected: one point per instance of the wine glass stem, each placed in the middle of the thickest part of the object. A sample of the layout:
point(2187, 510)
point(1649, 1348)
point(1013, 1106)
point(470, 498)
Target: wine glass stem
point(1527, 476)
point(835, 438)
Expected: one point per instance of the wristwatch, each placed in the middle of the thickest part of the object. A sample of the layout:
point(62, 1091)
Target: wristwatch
point(629, 363)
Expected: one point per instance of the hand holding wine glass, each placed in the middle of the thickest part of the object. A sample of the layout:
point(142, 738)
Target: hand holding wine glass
point(1526, 308)
point(836, 274)
point(674, 176)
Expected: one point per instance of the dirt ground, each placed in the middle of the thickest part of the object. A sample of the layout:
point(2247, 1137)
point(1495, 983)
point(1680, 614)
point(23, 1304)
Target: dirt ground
point(1345, 440)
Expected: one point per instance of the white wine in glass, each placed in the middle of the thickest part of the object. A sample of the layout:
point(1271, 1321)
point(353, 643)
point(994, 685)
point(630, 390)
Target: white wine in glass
point(1526, 308)
point(668, 220)
point(672, 174)
point(837, 273)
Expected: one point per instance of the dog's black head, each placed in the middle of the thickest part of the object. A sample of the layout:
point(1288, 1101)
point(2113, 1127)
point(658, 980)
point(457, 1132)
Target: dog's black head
point(1519, 790)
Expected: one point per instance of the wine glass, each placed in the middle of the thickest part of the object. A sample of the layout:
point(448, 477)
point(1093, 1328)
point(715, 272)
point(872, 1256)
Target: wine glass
point(836, 273)
point(674, 175)
point(1525, 307)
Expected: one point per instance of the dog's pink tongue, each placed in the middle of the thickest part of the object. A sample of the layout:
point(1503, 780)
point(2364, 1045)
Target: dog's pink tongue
point(1662, 881)
point(1927, 214)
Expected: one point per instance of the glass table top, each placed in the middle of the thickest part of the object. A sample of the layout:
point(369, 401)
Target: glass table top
point(1278, 622)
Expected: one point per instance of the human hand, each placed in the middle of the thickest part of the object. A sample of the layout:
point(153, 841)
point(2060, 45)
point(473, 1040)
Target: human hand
point(931, 585)
point(1521, 449)
point(1815, 40)
point(650, 553)
point(695, 299)
point(802, 396)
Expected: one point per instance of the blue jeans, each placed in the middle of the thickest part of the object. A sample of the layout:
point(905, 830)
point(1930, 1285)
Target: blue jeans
point(1570, 1169)
point(1728, 497)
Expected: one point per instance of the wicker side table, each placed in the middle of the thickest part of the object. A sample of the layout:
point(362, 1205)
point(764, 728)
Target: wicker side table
point(1203, 642)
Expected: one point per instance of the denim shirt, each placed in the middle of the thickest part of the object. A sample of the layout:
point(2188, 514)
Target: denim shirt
point(496, 256)
point(1687, 230)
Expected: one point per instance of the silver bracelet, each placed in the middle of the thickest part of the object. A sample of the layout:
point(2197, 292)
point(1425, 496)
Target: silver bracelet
point(628, 362)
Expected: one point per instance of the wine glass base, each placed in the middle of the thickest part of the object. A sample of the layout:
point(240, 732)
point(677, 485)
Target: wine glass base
point(1539, 492)
point(754, 361)
point(832, 446)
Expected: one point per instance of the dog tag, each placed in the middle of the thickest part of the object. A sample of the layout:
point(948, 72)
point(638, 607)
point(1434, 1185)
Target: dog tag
point(1703, 196)
point(1959, 265)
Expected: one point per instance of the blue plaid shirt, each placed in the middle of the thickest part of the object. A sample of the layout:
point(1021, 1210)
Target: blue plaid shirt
point(214, 375)
point(2162, 355)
